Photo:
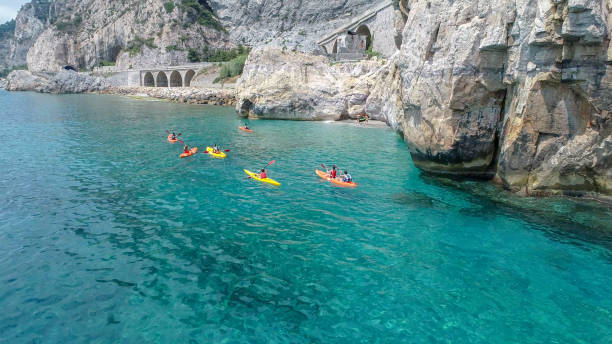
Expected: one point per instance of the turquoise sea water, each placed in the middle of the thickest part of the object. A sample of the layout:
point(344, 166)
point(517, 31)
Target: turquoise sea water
point(107, 237)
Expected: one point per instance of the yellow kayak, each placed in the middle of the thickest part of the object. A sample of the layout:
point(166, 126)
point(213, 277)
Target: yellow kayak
point(220, 155)
point(265, 180)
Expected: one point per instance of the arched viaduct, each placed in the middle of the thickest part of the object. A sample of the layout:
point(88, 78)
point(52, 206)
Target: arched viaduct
point(375, 25)
point(170, 77)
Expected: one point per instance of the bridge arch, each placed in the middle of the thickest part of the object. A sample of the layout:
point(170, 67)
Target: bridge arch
point(176, 80)
point(188, 77)
point(148, 80)
point(161, 80)
point(364, 30)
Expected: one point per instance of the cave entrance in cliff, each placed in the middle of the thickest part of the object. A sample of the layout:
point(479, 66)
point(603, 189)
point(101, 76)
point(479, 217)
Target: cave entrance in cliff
point(176, 80)
point(162, 80)
point(69, 67)
point(188, 77)
point(148, 80)
point(364, 30)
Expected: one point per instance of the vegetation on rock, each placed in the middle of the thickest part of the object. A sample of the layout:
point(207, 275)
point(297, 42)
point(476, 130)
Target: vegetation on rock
point(232, 68)
point(7, 29)
point(5, 72)
point(134, 47)
point(169, 6)
point(208, 54)
point(200, 11)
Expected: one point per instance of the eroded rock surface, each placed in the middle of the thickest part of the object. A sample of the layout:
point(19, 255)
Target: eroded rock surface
point(62, 82)
point(283, 84)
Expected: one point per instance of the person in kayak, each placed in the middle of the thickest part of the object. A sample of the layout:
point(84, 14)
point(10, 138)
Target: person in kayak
point(334, 172)
point(216, 149)
point(173, 136)
point(263, 174)
point(186, 150)
point(346, 178)
point(246, 126)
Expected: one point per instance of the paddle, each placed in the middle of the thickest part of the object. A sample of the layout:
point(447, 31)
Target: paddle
point(207, 152)
point(270, 163)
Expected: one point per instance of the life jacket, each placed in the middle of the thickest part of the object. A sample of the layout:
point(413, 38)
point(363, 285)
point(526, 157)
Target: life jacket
point(263, 175)
point(333, 173)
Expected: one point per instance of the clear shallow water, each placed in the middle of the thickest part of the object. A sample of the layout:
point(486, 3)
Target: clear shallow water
point(106, 236)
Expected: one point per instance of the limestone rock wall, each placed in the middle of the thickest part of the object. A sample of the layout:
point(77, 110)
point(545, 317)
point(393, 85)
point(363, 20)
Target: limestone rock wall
point(294, 24)
point(29, 24)
point(520, 89)
point(62, 82)
point(84, 33)
point(283, 84)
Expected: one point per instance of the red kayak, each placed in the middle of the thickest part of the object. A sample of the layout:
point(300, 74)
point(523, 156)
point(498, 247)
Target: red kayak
point(336, 181)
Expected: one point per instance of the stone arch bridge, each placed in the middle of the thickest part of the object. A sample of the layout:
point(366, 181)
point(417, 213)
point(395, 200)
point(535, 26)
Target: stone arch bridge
point(373, 29)
point(171, 76)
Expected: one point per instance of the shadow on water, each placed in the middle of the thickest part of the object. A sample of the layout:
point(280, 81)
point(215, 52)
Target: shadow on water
point(573, 219)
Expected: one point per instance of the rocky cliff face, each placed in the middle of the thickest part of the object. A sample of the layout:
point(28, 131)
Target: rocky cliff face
point(282, 84)
point(132, 33)
point(515, 90)
point(294, 24)
point(29, 24)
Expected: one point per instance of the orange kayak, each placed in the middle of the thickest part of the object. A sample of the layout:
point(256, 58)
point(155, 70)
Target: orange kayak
point(245, 129)
point(336, 181)
point(191, 152)
point(171, 140)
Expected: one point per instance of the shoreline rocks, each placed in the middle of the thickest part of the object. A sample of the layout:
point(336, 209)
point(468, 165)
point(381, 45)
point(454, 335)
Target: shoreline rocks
point(188, 95)
point(62, 82)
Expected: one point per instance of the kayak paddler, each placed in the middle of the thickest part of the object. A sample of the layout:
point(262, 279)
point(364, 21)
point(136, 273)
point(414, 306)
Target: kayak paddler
point(263, 174)
point(333, 173)
point(346, 178)
point(246, 126)
point(173, 136)
point(216, 149)
point(186, 150)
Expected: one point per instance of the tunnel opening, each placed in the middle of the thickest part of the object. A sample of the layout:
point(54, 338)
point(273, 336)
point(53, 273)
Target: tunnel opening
point(148, 80)
point(363, 30)
point(188, 78)
point(70, 67)
point(175, 79)
point(162, 80)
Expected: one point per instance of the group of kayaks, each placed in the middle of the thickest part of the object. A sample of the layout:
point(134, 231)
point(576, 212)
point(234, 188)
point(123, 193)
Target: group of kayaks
point(252, 175)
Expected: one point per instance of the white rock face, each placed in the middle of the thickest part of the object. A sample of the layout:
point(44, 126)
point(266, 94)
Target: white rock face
point(515, 88)
point(294, 24)
point(283, 84)
point(62, 82)
point(29, 24)
point(83, 33)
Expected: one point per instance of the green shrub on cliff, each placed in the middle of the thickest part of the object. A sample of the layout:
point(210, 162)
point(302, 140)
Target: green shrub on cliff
point(208, 54)
point(169, 6)
point(200, 11)
point(232, 68)
point(5, 72)
point(7, 29)
point(134, 47)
